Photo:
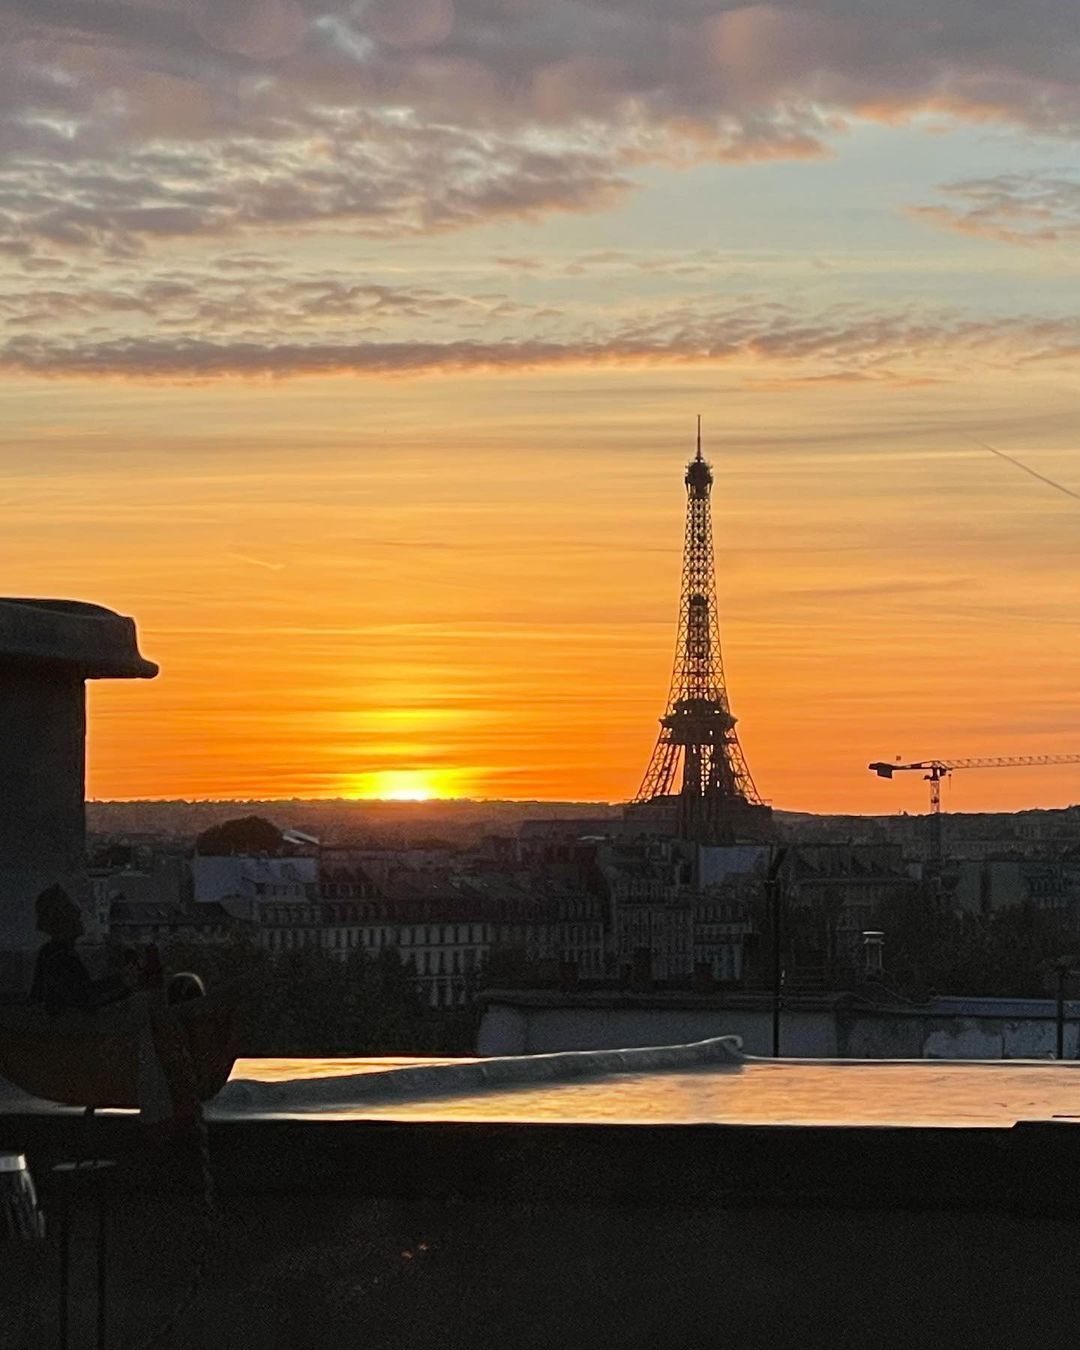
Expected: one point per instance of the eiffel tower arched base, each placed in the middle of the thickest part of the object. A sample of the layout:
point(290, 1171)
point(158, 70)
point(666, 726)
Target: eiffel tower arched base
point(719, 822)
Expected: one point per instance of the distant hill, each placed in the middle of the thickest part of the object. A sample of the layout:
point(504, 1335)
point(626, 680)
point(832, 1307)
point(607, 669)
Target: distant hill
point(463, 822)
point(457, 822)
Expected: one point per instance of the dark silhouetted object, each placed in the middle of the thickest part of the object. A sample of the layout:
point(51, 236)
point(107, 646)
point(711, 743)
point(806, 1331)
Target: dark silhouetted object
point(703, 977)
point(250, 834)
point(714, 797)
point(61, 982)
point(873, 953)
point(183, 987)
point(20, 1217)
point(774, 888)
point(641, 975)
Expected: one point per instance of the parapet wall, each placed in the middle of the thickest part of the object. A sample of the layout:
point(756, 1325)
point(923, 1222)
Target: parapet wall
point(48, 649)
point(521, 1028)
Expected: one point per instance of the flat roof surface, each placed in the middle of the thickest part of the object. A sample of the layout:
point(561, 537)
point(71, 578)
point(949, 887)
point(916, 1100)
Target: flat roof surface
point(916, 1093)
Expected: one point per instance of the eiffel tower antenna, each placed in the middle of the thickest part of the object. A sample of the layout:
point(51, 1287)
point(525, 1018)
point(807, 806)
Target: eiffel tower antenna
point(698, 765)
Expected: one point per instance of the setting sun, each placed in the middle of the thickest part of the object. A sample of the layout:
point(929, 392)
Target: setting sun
point(401, 785)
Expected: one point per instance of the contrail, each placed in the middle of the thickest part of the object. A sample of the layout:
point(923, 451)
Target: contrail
point(254, 562)
point(1034, 473)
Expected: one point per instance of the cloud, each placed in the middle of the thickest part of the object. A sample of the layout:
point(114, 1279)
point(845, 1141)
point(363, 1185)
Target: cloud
point(678, 264)
point(127, 120)
point(376, 174)
point(887, 588)
point(255, 562)
point(1013, 208)
point(138, 138)
point(222, 299)
point(766, 66)
point(838, 344)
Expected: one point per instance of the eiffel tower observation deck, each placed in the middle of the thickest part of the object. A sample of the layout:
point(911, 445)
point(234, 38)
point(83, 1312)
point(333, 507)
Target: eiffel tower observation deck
point(698, 785)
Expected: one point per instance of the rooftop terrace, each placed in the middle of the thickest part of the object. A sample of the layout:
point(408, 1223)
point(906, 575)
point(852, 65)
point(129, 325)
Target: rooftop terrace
point(394, 1203)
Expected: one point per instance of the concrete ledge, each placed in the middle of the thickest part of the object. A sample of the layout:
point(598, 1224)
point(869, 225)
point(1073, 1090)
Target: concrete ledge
point(1024, 1169)
point(672, 998)
point(93, 642)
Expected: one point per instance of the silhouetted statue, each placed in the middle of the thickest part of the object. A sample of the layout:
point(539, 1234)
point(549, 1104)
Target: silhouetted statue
point(61, 981)
point(138, 1049)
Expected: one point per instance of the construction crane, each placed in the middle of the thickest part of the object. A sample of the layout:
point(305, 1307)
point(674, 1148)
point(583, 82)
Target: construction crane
point(934, 770)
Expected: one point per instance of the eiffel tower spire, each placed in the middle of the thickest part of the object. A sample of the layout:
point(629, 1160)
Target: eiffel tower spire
point(698, 764)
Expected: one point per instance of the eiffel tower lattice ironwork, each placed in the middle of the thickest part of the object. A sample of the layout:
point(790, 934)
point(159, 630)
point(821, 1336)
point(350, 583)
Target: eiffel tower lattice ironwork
point(698, 766)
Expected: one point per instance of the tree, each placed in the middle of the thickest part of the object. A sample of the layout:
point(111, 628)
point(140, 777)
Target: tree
point(248, 834)
point(922, 943)
point(932, 949)
point(112, 855)
point(304, 1001)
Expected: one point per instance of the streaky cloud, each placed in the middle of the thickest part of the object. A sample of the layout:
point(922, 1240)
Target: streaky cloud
point(1030, 209)
point(889, 346)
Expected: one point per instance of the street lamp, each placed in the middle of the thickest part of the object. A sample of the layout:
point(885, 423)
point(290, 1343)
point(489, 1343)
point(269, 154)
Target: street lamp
point(773, 889)
point(1063, 967)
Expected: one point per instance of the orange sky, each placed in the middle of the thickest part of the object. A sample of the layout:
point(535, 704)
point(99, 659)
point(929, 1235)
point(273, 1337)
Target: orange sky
point(468, 585)
point(354, 348)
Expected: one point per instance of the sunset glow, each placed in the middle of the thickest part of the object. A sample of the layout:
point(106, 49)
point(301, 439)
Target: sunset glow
point(356, 350)
point(401, 785)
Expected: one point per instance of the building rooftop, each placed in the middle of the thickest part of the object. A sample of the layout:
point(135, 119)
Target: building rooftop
point(754, 1092)
point(740, 1091)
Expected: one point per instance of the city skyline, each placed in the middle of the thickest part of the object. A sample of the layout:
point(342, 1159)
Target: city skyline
point(355, 352)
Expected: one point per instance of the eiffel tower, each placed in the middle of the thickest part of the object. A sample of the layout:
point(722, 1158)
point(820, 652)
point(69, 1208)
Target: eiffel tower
point(698, 785)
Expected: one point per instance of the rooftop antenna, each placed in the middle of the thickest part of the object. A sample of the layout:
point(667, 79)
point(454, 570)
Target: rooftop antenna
point(699, 435)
